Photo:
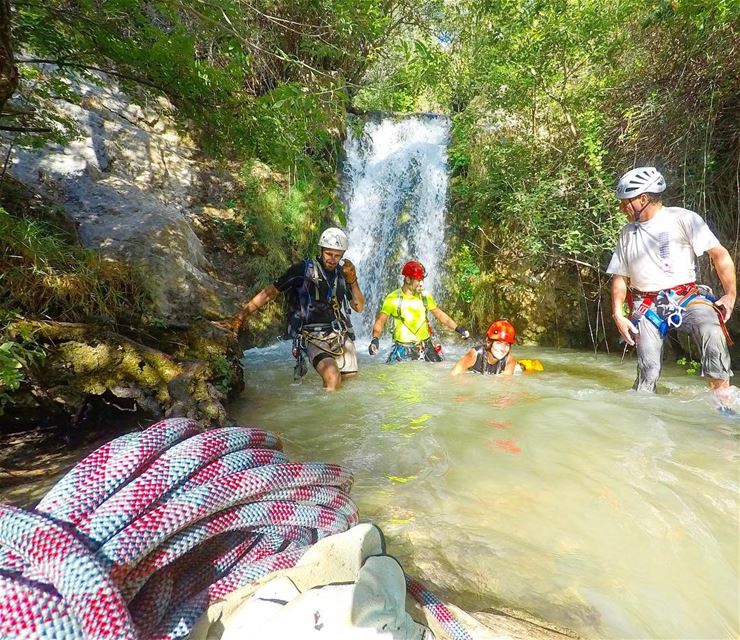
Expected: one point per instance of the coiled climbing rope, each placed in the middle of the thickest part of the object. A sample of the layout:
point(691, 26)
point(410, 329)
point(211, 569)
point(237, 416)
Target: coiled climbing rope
point(149, 530)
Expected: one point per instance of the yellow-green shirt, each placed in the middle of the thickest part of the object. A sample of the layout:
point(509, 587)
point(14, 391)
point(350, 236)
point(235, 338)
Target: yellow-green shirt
point(414, 327)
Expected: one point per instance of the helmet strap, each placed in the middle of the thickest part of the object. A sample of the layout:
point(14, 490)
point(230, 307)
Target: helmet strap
point(638, 214)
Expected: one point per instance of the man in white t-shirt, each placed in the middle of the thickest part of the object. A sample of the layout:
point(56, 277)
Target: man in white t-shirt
point(655, 264)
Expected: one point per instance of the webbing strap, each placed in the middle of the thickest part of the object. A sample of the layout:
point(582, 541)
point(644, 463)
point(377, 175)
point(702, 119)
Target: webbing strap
point(681, 297)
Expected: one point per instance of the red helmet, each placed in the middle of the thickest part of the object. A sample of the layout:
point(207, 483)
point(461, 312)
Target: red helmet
point(414, 269)
point(501, 330)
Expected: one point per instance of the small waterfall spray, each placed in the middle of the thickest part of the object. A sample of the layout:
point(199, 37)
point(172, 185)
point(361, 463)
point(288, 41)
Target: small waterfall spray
point(395, 190)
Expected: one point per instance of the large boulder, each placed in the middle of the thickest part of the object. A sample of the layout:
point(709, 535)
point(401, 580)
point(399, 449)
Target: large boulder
point(128, 182)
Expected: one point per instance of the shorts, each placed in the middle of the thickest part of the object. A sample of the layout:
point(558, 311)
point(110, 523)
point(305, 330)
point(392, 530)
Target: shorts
point(332, 344)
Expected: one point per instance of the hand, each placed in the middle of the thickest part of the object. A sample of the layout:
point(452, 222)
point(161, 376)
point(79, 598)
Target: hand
point(626, 329)
point(232, 324)
point(462, 331)
point(726, 303)
point(374, 346)
point(350, 274)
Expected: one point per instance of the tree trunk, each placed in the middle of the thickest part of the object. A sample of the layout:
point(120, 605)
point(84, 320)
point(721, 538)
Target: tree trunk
point(8, 70)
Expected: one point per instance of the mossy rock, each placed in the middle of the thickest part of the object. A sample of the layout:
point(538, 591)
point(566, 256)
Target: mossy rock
point(88, 361)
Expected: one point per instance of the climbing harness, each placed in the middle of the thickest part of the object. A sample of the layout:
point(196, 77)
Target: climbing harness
point(329, 339)
point(399, 317)
point(149, 530)
point(308, 294)
point(665, 308)
point(300, 354)
point(423, 350)
point(428, 349)
point(482, 365)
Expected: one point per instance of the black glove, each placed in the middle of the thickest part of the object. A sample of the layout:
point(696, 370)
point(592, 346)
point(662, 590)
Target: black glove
point(462, 331)
point(374, 346)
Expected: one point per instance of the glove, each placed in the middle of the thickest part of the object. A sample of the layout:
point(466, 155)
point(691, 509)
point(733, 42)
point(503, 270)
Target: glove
point(350, 275)
point(462, 331)
point(374, 346)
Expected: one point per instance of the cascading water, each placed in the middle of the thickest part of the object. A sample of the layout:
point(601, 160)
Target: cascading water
point(395, 190)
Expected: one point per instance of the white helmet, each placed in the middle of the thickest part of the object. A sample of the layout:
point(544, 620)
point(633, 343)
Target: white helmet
point(334, 238)
point(640, 180)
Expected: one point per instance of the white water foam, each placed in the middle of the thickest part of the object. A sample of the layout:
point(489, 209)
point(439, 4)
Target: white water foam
point(395, 190)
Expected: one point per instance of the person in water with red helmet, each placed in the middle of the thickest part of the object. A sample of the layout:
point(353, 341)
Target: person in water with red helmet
point(493, 357)
point(409, 306)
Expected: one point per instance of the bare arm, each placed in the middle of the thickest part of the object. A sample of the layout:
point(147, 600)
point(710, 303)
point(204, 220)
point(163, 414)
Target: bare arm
point(358, 298)
point(464, 363)
point(444, 318)
point(725, 267)
point(379, 324)
point(268, 294)
point(510, 368)
point(624, 325)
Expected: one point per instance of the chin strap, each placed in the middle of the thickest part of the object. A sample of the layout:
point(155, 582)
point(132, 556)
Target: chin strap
point(638, 215)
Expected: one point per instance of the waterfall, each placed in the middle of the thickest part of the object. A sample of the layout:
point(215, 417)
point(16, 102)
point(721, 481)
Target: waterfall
point(395, 192)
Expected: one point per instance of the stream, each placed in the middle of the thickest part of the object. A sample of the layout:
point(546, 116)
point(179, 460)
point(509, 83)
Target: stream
point(563, 493)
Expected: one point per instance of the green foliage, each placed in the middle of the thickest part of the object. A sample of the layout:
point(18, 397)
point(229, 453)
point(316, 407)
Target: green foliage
point(275, 220)
point(529, 143)
point(692, 366)
point(44, 274)
point(291, 129)
point(221, 373)
point(466, 272)
point(410, 71)
point(269, 81)
point(551, 101)
point(16, 358)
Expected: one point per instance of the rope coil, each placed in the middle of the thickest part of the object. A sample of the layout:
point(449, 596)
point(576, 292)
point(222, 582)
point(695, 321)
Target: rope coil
point(149, 530)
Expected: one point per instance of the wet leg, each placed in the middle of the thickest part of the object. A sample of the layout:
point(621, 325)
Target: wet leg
point(649, 346)
point(702, 322)
point(329, 371)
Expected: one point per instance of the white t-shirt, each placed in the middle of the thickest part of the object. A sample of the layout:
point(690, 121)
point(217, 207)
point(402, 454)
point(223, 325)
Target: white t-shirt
point(660, 253)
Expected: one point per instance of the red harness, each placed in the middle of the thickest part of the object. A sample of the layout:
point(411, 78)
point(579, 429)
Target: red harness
point(685, 291)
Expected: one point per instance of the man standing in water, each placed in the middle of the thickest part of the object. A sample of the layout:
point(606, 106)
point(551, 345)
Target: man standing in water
point(408, 306)
point(322, 291)
point(655, 260)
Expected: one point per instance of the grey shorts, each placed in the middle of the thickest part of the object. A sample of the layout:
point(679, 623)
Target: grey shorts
point(318, 345)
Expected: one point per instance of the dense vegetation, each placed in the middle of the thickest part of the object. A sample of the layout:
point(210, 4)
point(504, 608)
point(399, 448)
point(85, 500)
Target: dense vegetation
point(262, 88)
point(550, 101)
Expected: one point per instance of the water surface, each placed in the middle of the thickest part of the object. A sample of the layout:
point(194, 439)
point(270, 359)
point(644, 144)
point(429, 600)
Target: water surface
point(564, 493)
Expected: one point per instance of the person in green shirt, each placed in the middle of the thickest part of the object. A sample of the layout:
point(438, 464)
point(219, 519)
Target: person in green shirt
point(408, 306)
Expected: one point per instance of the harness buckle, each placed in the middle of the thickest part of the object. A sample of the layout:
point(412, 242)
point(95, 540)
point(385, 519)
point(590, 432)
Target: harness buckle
point(338, 326)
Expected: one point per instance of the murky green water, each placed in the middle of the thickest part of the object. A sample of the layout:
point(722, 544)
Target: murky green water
point(562, 493)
